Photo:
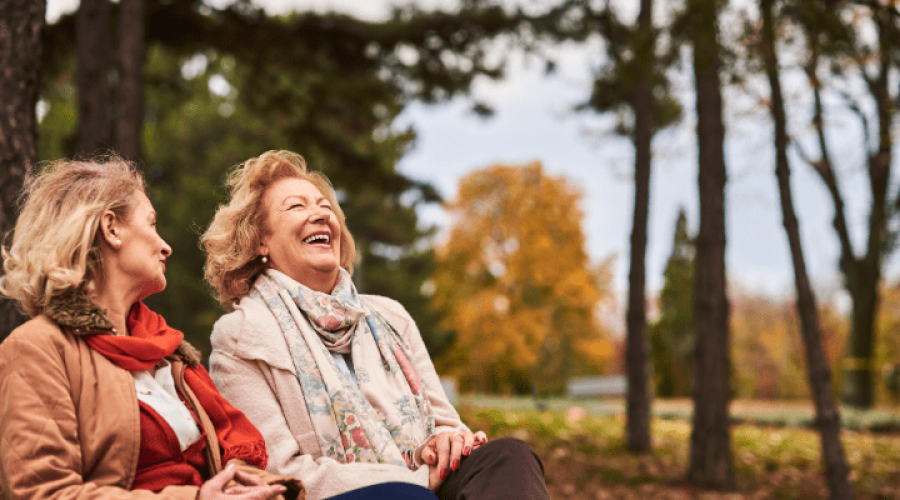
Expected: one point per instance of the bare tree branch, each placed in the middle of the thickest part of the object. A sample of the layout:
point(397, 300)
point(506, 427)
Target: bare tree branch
point(824, 167)
point(854, 106)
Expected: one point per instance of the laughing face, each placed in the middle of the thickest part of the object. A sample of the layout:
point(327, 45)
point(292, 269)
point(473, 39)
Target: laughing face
point(303, 235)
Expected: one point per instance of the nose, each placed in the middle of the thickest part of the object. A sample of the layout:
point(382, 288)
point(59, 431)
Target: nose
point(166, 249)
point(321, 215)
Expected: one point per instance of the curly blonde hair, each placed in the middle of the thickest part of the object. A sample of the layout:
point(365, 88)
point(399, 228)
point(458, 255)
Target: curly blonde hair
point(233, 238)
point(56, 242)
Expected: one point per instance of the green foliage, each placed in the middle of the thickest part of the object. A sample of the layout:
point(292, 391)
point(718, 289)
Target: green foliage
point(632, 54)
point(222, 86)
point(673, 335)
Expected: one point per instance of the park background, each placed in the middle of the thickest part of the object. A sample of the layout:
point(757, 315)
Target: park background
point(485, 157)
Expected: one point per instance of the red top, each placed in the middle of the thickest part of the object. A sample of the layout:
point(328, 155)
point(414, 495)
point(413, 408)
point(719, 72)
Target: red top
point(161, 462)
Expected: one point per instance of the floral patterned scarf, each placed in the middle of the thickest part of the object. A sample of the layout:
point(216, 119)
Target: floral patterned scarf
point(386, 416)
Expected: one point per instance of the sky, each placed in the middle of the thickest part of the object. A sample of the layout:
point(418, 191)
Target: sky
point(535, 121)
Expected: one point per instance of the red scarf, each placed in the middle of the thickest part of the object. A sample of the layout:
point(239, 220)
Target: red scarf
point(150, 340)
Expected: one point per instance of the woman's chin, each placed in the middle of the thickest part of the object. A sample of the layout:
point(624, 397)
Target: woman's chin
point(152, 287)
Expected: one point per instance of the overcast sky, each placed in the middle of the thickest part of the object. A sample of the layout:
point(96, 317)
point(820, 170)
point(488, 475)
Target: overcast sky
point(534, 121)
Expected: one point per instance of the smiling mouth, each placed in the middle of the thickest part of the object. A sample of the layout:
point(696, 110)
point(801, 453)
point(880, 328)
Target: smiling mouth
point(318, 239)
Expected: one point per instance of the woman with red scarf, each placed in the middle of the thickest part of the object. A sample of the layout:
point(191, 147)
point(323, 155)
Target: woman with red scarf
point(99, 398)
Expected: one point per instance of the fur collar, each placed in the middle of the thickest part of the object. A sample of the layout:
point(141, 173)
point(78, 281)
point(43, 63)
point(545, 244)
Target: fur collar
point(75, 312)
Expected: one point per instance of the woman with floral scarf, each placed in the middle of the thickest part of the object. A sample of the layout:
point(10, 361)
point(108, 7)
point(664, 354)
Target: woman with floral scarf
point(339, 384)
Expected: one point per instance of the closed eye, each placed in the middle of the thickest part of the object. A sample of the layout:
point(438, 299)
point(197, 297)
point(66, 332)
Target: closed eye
point(296, 205)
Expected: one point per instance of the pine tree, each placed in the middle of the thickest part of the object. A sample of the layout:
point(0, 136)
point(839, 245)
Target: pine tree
point(673, 335)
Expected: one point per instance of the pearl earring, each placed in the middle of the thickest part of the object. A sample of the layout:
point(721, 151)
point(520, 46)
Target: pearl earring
point(118, 243)
point(265, 259)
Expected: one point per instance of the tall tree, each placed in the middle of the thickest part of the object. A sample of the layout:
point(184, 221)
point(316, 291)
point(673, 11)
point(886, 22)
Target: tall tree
point(130, 87)
point(516, 286)
point(636, 359)
point(94, 97)
point(20, 55)
point(827, 415)
point(710, 455)
point(635, 79)
point(845, 46)
point(673, 336)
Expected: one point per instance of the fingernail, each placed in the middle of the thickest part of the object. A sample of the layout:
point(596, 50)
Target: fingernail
point(467, 451)
point(443, 474)
point(455, 465)
point(431, 457)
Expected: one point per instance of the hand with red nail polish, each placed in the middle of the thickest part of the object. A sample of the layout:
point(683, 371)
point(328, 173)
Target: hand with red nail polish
point(435, 477)
point(443, 452)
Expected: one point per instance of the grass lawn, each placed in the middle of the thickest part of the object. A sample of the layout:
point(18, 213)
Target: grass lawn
point(586, 458)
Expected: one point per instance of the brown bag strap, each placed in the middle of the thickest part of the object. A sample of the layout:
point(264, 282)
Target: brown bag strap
point(213, 452)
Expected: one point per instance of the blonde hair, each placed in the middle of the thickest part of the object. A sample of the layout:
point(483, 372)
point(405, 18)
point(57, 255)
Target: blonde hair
point(233, 238)
point(56, 242)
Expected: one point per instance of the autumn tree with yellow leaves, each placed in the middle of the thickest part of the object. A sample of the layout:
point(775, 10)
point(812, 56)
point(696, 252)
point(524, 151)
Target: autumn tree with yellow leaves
point(515, 285)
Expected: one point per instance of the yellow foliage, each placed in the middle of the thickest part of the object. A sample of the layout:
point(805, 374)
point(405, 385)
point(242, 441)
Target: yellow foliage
point(515, 286)
point(767, 350)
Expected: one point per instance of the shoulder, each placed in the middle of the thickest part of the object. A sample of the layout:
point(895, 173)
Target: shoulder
point(39, 331)
point(392, 310)
point(251, 331)
point(36, 341)
point(250, 316)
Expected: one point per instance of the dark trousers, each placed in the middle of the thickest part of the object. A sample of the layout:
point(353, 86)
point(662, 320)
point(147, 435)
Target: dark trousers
point(499, 469)
point(388, 491)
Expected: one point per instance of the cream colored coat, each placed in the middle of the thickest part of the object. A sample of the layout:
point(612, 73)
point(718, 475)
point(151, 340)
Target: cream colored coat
point(252, 368)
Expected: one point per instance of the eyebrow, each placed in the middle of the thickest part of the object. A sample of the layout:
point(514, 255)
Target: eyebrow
point(302, 198)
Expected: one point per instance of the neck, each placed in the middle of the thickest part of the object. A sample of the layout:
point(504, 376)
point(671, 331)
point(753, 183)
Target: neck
point(322, 282)
point(117, 305)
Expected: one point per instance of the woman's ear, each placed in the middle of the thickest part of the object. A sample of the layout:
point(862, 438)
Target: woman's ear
point(263, 249)
point(108, 228)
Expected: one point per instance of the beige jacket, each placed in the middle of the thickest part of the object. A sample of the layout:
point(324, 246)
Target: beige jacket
point(252, 368)
point(70, 420)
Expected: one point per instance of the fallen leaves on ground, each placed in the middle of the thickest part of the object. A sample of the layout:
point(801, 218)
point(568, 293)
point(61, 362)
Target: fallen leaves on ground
point(586, 458)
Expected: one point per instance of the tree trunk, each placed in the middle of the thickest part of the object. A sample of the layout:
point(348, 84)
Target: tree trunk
point(862, 274)
point(710, 456)
point(827, 415)
point(21, 22)
point(130, 91)
point(636, 359)
point(94, 97)
point(858, 390)
point(865, 277)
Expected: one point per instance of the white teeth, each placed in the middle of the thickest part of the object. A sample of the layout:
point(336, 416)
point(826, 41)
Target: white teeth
point(316, 238)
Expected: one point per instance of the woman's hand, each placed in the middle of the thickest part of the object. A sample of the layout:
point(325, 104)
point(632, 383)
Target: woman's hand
point(250, 487)
point(442, 452)
point(434, 478)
